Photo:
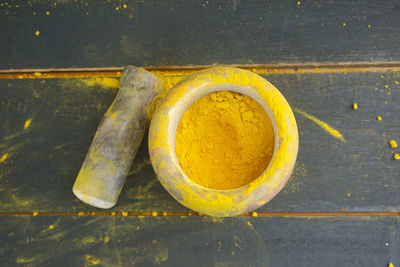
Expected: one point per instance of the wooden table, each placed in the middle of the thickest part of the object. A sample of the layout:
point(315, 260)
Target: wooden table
point(60, 62)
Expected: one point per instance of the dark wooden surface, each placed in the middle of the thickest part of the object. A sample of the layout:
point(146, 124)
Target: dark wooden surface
point(44, 156)
point(199, 241)
point(94, 33)
point(330, 175)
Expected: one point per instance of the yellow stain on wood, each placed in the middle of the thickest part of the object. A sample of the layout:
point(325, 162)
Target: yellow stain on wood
point(393, 143)
point(4, 157)
point(91, 260)
point(104, 82)
point(27, 123)
point(25, 260)
point(335, 133)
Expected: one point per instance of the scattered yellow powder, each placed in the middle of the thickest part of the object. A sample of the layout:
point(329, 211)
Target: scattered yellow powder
point(27, 123)
point(355, 106)
point(379, 118)
point(224, 140)
point(4, 157)
point(396, 156)
point(393, 143)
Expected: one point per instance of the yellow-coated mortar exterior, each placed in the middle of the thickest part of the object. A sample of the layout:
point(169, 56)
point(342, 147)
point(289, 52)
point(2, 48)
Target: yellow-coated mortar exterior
point(222, 202)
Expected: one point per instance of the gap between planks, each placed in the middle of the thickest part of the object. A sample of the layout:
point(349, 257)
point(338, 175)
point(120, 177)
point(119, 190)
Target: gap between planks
point(196, 214)
point(343, 67)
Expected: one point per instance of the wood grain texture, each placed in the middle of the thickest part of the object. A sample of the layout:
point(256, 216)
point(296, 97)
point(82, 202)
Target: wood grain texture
point(330, 175)
point(104, 34)
point(198, 241)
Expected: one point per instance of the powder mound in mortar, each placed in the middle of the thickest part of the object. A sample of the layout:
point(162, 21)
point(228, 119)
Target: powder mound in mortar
point(224, 140)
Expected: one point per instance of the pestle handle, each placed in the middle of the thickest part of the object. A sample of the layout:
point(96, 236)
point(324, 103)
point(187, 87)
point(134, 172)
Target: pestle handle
point(115, 144)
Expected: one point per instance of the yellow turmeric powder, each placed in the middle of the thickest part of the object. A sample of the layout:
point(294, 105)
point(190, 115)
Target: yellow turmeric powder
point(224, 140)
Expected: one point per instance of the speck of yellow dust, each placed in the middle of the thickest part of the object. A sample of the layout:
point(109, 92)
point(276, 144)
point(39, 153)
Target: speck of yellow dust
point(124, 6)
point(249, 223)
point(379, 118)
point(298, 3)
point(348, 194)
point(91, 260)
point(355, 106)
point(34, 13)
point(51, 226)
point(37, 74)
point(113, 213)
point(396, 82)
point(385, 102)
point(124, 213)
point(106, 239)
point(4, 157)
point(254, 214)
point(386, 86)
point(344, 24)
point(81, 213)
point(117, 8)
point(369, 26)
point(390, 264)
point(396, 156)
point(47, 13)
point(27, 123)
point(37, 33)
point(393, 143)
point(154, 213)
point(35, 213)
point(114, 115)
point(165, 214)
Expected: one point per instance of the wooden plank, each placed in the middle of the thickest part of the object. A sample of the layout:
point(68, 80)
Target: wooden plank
point(330, 175)
point(198, 241)
point(93, 33)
